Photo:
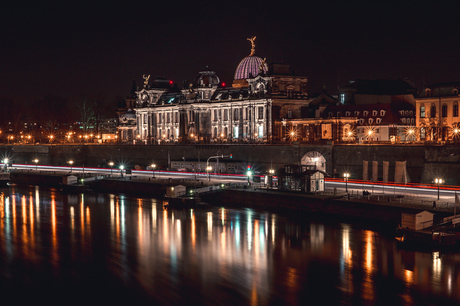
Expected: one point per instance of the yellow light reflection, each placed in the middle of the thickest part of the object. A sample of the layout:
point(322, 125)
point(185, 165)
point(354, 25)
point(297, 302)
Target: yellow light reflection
point(209, 219)
point(193, 230)
point(53, 229)
point(72, 220)
point(154, 218)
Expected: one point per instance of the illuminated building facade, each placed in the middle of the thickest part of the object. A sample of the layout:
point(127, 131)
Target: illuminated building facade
point(209, 112)
point(437, 112)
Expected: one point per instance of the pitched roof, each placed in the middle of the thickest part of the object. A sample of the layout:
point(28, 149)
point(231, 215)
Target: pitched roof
point(381, 87)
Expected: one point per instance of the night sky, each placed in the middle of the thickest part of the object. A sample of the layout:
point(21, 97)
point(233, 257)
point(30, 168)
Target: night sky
point(83, 48)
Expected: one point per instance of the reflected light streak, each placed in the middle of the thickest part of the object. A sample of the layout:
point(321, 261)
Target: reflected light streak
point(37, 203)
point(256, 242)
point(53, 229)
point(273, 230)
point(193, 229)
point(154, 218)
point(25, 237)
point(165, 229)
point(368, 285)
point(437, 265)
point(72, 220)
point(249, 230)
point(237, 232)
point(222, 215)
point(209, 220)
point(13, 209)
point(88, 217)
point(369, 251)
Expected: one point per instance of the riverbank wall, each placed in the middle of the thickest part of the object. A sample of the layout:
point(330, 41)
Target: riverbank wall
point(424, 163)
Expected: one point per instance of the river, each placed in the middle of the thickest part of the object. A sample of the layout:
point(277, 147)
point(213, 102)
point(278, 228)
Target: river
point(104, 248)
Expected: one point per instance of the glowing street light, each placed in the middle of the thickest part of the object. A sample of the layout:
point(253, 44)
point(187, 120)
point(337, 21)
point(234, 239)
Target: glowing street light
point(153, 166)
point(5, 161)
point(121, 169)
point(70, 162)
point(208, 169)
point(36, 163)
point(438, 181)
point(345, 177)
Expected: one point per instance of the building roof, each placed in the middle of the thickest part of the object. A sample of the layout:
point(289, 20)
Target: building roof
point(381, 87)
point(206, 78)
point(447, 89)
point(249, 67)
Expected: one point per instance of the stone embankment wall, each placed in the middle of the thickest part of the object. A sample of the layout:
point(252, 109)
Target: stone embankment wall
point(424, 164)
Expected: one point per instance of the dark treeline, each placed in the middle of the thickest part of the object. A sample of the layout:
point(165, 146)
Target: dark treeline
point(54, 115)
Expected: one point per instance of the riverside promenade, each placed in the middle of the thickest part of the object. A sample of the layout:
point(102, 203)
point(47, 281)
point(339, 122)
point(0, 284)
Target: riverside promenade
point(376, 206)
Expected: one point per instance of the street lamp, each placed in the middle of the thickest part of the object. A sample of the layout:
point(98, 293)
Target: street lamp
point(345, 177)
point(121, 168)
point(36, 163)
point(5, 161)
point(70, 163)
point(111, 167)
point(153, 166)
point(208, 169)
point(438, 181)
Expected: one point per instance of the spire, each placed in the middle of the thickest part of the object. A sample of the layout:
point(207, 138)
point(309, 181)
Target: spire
point(253, 45)
point(134, 88)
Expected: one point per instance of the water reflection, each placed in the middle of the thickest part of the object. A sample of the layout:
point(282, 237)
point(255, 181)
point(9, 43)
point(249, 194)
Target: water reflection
point(226, 256)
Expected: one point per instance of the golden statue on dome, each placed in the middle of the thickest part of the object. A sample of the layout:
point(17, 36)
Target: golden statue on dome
point(253, 45)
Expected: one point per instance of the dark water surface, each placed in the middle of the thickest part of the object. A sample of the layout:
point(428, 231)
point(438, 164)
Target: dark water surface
point(101, 248)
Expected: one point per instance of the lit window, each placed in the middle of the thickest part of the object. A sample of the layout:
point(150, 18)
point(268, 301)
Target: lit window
point(422, 111)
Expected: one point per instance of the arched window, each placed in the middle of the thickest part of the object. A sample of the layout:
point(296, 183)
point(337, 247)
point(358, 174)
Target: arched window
point(444, 110)
point(433, 111)
point(422, 111)
point(371, 120)
point(374, 113)
point(289, 113)
point(378, 120)
point(382, 113)
point(455, 110)
point(365, 113)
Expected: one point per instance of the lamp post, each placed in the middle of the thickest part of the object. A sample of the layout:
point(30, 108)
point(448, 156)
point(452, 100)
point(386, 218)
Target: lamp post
point(345, 177)
point(438, 181)
point(208, 169)
point(153, 166)
point(36, 164)
point(5, 161)
point(121, 168)
point(271, 172)
point(111, 167)
point(71, 164)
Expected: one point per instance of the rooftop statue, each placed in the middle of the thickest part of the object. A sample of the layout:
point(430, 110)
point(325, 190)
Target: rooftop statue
point(146, 80)
point(253, 45)
point(262, 66)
